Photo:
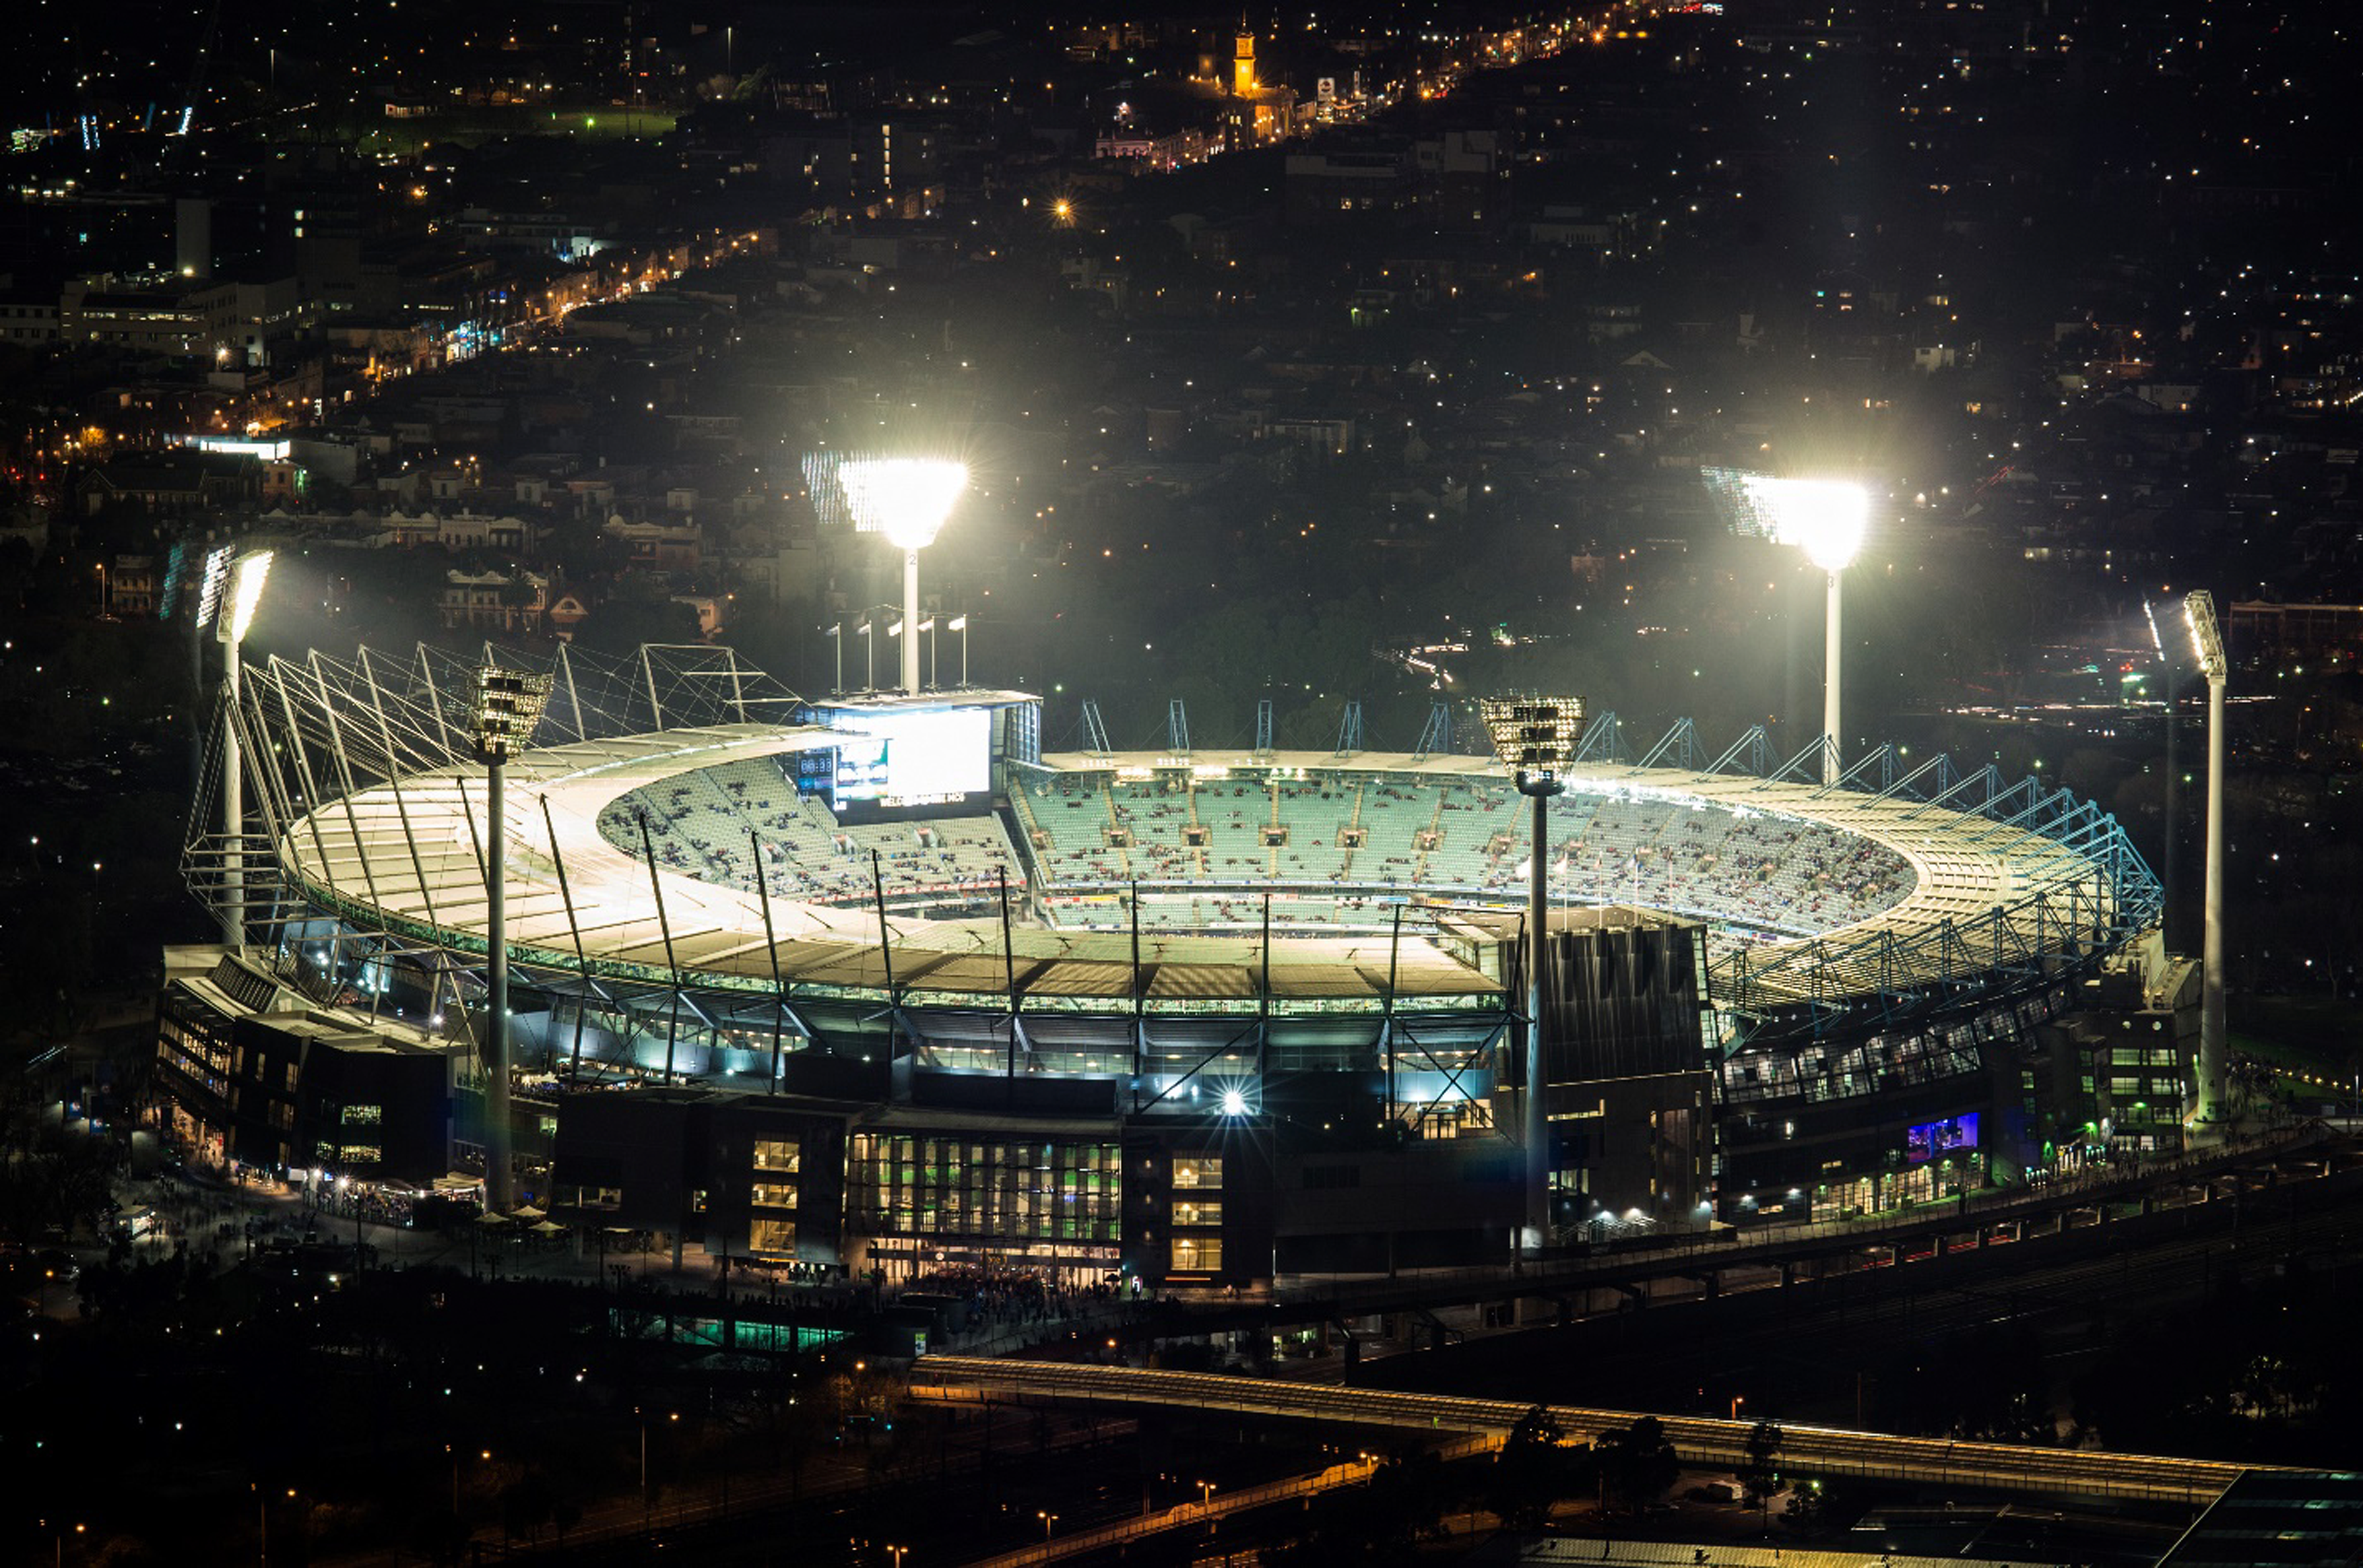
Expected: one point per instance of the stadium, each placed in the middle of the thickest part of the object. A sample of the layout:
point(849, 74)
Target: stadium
point(876, 983)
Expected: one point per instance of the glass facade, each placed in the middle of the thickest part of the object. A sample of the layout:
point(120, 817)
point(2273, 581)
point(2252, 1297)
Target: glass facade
point(1197, 1254)
point(1197, 1170)
point(928, 1184)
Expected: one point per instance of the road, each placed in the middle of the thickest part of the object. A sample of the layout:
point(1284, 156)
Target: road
point(1702, 1442)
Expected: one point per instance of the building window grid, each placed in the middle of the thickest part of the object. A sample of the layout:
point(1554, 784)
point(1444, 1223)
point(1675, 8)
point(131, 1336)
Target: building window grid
point(914, 1184)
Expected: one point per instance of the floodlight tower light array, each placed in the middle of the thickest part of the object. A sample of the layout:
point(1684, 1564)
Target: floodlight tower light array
point(907, 500)
point(246, 578)
point(2206, 639)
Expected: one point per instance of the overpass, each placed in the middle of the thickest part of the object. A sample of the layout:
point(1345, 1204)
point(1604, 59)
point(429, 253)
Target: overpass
point(1957, 1236)
point(1701, 1442)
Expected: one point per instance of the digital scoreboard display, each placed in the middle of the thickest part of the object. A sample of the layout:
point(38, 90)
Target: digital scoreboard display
point(925, 762)
point(1926, 1141)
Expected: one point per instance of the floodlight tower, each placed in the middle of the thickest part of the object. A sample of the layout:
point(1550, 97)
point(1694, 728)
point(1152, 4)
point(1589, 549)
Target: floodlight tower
point(508, 705)
point(906, 499)
point(2207, 644)
point(248, 574)
point(2173, 708)
point(1827, 520)
point(1535, 737)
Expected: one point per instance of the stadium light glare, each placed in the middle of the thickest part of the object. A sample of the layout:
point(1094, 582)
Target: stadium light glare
point(247, 575)
point(1827, 519)
point(907, 500)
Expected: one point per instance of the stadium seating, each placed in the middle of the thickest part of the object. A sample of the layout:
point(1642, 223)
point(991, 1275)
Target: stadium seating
point(1444, 839)
point(1331, 850)
point(706, 824)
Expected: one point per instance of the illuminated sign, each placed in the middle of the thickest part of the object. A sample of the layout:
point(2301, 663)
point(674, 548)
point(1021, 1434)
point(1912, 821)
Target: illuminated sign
point(1932, 1140)
point(899, 760)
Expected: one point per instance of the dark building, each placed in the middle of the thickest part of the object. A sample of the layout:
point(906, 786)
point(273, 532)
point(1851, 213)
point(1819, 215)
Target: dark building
point(260, 1076)
point(2305, 1518)
point(1628, 1097)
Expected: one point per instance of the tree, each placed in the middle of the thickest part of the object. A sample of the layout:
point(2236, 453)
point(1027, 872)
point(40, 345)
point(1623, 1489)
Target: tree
point(1636, 1465)
point(527, 1504)
point(1757, 1478)
point(1532, 1471)
point(1808, 1507)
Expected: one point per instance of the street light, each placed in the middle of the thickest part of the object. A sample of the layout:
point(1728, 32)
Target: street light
point(907, 500)
point(2207, 645)
point(508, 705)
point(246, 577)
point(1536, 738)
point(1827, 520)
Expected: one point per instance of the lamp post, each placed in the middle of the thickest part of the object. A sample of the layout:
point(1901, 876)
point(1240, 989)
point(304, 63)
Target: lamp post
point(1536, 738)
point(1827, 520)
point(906, 499)
point(508, 705)
point(2207, 644)
point(247, 576)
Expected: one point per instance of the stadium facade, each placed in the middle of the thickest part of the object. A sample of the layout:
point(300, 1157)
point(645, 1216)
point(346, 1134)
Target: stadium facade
point(876, 983)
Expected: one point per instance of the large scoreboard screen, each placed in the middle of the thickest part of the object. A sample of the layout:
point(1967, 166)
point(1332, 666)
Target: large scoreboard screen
point(912, 763)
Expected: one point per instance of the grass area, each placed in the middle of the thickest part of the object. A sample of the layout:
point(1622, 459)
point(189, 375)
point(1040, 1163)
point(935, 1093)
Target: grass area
point(2316, 1044)
point(2314, 1034)
point(596, 121)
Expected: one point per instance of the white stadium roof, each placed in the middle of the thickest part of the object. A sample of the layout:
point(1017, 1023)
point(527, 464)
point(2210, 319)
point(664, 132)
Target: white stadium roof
point(407, 852)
